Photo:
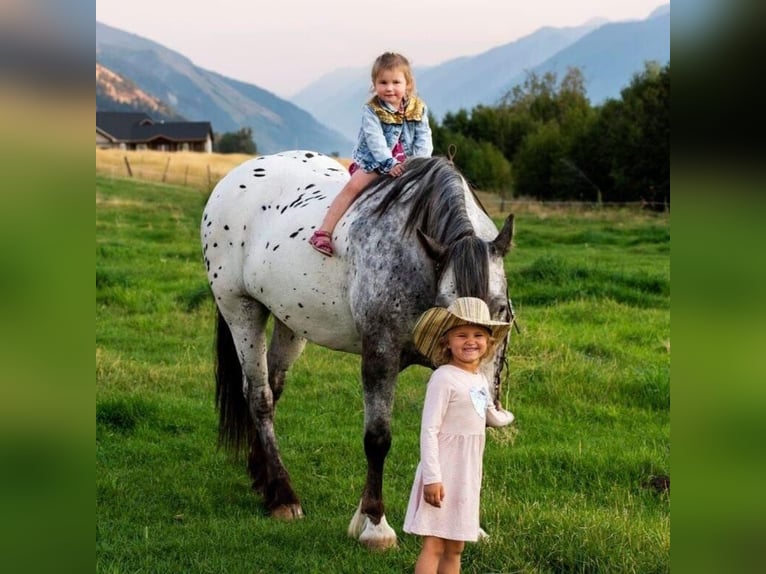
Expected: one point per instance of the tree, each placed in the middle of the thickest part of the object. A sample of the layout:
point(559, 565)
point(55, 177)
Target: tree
point(536, 163)
point(630, 141)
point(237, 142)
point(642, 163)
point(487, 169)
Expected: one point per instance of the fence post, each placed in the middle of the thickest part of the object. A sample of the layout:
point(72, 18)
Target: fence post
point(209, 178)
point(186, 174)
point(165, 173)
point(127, 164)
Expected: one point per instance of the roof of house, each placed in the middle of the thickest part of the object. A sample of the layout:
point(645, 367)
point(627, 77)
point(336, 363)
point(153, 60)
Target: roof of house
point(139, 127)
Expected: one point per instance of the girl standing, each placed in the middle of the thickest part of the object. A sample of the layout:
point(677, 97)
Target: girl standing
point(444, 501)
point(394, 127)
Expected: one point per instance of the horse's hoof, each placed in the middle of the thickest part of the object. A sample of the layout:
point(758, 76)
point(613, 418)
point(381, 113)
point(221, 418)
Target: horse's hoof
point(379, 545)
point(287, 512)
point(378, 536)
point(356, 526)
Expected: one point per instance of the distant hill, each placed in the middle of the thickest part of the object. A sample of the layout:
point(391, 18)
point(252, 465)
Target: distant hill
point(459, 83)
point(611, 55)
point(117, 94)
point(608, 53)
point(200, 95)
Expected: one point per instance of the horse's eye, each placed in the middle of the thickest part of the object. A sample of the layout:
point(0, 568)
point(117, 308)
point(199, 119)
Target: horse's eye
point(498, 306)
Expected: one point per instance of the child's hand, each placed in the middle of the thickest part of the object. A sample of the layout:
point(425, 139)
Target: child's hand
point(433, 494)
point(397, 170)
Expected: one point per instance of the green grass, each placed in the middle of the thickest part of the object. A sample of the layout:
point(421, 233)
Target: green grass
point(564, 487)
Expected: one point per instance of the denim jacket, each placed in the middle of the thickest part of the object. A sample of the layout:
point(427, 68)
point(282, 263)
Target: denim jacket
point(382, 126)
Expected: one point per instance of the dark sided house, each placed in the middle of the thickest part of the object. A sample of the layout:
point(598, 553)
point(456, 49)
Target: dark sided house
point(137, 131)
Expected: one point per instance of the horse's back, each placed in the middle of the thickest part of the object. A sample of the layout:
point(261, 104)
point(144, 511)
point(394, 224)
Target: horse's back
point(255, 233)
point(303, 178)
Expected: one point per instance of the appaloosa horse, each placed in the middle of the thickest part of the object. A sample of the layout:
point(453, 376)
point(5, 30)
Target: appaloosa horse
point(407, 244)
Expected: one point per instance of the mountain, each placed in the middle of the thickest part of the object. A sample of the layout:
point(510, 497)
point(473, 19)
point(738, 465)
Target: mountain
point(201, 95)
point(608, 53)
point(466, 82)
point(118, 94)
point(611, 55)
point(459, 83)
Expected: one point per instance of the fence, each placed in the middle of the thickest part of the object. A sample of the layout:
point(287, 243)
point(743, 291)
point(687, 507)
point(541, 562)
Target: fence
point(202, 171)
point(196, 170)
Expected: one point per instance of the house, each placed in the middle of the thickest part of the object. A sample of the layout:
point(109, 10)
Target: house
point(137, 131)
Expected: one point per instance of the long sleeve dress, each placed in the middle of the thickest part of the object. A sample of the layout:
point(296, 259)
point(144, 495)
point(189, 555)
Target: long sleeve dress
point(452, 438)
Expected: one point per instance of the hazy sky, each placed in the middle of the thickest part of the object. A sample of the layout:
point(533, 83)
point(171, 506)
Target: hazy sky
point(284, 45)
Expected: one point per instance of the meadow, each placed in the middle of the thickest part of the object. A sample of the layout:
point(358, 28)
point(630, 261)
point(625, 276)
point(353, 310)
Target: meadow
point(568, 488)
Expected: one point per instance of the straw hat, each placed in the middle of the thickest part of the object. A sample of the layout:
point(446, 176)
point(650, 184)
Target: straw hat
point(437, 321)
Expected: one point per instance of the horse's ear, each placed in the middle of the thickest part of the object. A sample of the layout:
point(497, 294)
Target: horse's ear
point(502, 242)
point(433, 248)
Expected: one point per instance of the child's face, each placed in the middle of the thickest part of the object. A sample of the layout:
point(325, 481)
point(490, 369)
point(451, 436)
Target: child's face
point(391, 87)
point(468, 345)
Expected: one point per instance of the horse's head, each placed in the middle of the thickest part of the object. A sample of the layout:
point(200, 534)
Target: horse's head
point(434, 199)
point(473, 267)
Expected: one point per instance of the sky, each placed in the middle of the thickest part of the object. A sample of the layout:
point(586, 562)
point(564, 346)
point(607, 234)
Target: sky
point(285, 45)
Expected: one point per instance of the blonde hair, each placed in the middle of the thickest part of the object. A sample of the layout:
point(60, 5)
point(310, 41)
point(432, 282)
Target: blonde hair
point(444, 355)
point(393, 61)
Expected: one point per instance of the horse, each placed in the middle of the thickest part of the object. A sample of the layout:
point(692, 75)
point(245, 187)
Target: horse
point(407, 243)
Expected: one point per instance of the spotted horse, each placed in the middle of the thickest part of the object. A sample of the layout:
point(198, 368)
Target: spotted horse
point(405, 245)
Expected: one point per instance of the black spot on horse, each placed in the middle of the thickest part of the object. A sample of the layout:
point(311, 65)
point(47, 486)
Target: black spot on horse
point(226, 227)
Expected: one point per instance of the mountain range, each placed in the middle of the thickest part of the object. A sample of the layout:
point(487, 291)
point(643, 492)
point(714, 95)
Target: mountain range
point(202, 95)
point(134, 73)
point(608, 54)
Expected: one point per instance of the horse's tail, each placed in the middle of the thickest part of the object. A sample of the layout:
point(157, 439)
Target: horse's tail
point(234, 421)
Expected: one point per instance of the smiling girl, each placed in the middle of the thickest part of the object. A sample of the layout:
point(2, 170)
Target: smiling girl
point(394, 127)
point(444, 501)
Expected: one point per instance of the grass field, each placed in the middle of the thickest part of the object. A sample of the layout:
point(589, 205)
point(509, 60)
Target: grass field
point(565, 488)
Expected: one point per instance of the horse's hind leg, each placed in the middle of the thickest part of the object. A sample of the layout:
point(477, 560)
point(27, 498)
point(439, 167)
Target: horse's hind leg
point(248, 330)
point(284, 350)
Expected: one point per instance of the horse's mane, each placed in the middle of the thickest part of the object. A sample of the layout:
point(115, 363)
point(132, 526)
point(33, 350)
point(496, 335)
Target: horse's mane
point(435, 190)
point(437, 201)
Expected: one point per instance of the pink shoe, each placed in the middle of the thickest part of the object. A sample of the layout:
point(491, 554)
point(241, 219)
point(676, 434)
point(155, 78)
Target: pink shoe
point(322, 242)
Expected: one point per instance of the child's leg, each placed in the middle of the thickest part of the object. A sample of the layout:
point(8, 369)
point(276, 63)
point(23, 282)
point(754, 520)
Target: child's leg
point(450, 560)
point(345, 198)
point(430, 556)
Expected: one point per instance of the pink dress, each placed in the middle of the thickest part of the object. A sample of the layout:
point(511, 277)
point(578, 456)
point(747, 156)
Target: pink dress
point(452, 437)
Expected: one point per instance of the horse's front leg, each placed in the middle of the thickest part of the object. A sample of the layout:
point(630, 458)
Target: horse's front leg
point(380, 368)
